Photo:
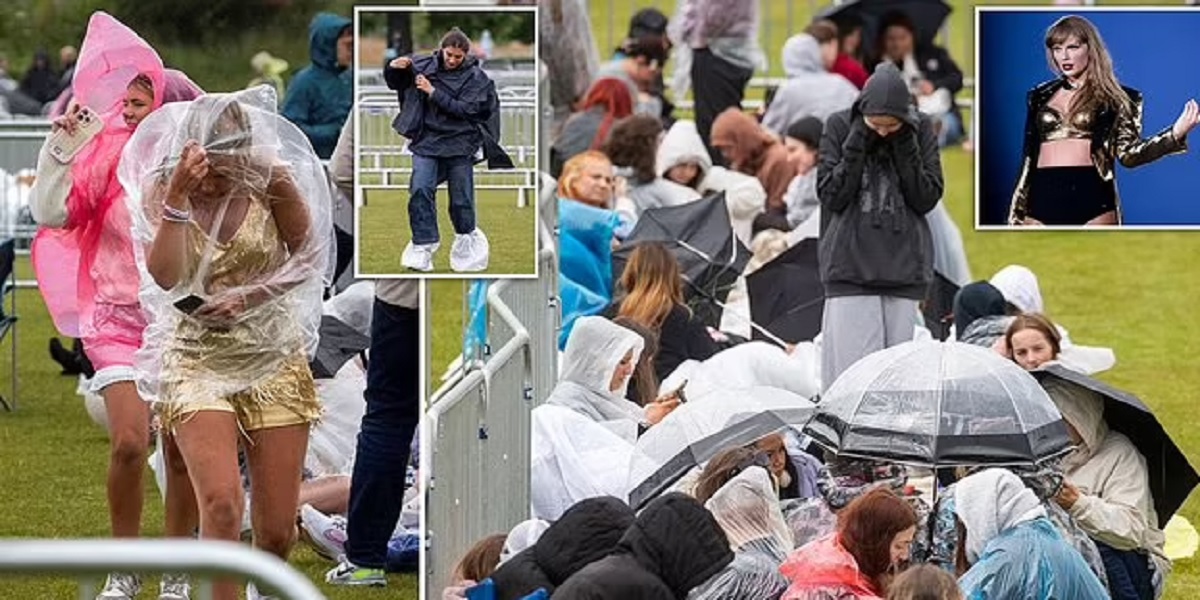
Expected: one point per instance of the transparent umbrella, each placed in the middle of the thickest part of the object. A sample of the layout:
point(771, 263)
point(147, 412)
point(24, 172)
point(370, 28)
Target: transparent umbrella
point(703, 427)
point(939, 404)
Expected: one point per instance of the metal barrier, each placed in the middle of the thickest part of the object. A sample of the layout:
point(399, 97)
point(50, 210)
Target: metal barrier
point(95, 557)
point(383, 162)
point(478, 423)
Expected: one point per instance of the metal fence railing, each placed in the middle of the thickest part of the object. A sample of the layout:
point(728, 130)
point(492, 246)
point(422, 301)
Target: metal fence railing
point(383, 161)
point(90, 559)
point(479, 422)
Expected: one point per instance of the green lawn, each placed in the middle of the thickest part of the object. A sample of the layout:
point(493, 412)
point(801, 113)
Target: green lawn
point(384, 231)
point(53, 460)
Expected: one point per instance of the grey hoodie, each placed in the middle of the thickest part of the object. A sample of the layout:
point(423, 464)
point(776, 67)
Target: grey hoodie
point(874, 194)
point(810, 90)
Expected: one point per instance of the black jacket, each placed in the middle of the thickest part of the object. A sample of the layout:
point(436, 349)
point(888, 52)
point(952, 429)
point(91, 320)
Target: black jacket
point(672, 547)
point(681, 337)
point(462, 115)
point(875, 192)
point(586, 532)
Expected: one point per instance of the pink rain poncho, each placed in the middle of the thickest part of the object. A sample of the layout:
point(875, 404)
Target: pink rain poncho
point(85, 269)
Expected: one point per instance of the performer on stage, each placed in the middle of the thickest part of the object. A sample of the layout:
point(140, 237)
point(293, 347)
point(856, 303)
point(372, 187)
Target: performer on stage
point(1077, 127)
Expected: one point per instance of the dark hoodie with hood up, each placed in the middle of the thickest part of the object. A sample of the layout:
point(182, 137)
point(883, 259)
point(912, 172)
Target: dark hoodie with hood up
point(585, 533)
point(458, 119)
point(874, 194)
point(319, 97)
point(674, 545)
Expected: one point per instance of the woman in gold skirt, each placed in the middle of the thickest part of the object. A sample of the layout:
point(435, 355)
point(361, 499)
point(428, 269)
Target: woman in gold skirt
point(232, 212)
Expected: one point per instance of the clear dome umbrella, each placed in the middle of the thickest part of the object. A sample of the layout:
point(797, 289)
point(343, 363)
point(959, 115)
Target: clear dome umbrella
point(939, 404)
point(703, 427)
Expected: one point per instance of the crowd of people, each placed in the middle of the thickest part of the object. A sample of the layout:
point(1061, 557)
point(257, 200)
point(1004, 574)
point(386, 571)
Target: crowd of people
point(187, 241)
point(846, 156)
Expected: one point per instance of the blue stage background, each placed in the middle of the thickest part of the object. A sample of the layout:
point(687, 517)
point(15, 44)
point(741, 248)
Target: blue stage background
point(1152, 52)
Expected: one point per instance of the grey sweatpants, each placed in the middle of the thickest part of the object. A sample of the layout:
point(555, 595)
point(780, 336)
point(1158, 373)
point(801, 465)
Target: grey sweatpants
point(855, 326)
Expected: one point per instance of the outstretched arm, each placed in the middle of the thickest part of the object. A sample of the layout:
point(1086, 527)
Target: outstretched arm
point(1133, 151)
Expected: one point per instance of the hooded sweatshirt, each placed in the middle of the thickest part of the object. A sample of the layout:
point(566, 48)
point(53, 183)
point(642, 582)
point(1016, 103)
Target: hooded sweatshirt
point(875, 192)
point(319, 98)
point(744, 194)
point(1115, 505)
point(586, 532)
point(810, 90)
point(674, 546)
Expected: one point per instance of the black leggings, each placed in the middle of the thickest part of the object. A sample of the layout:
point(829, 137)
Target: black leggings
point(1069, 195)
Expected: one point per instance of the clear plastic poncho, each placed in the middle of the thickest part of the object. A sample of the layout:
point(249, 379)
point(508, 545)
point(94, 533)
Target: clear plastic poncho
point(257, 247)
point(747, 507)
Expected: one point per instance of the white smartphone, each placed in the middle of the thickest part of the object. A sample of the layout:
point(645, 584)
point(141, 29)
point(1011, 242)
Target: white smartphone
point(64, 146)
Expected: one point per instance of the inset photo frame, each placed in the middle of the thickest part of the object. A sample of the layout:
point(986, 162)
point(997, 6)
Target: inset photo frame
point(446, 142)
point(1083, 121)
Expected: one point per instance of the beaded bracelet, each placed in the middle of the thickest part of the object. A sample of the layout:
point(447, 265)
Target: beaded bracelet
point(174, 215)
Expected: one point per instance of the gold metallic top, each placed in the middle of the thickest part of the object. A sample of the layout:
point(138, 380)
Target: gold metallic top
point(1053, 127)
point(259, 360)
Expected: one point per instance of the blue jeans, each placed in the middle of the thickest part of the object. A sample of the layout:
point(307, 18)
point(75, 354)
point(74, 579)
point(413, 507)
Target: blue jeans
point(1129, 576)
point(430, 172)
point(393, 411)
point(951, 131)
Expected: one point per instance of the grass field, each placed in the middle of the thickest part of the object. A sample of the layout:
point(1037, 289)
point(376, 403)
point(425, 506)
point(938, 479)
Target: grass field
point(53, 460)
point(384, 231)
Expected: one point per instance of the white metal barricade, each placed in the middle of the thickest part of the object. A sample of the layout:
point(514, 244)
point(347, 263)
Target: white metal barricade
point(209, 559)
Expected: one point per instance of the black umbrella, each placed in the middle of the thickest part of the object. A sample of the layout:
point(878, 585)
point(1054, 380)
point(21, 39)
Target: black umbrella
point(703, 427)
point(927, 17)
point(786, 296)
point(938, 307)
point(701, 238)
point(338, 343)
point(939, 404)
point(1172, 477)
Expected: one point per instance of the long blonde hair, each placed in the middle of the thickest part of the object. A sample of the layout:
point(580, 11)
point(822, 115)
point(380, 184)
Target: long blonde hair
point(1100, 89)
point(653, 285)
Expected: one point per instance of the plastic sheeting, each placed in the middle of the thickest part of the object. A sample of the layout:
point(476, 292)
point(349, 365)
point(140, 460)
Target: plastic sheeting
point(747, 507)
point(753, 575)
point(585, 278)
point(703, 426)
point(939, 404)
point(573, 458)
point(258, 162)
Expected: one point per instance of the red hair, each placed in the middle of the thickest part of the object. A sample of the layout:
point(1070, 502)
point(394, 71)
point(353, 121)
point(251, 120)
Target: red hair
point(613, 96)
point(866, 529)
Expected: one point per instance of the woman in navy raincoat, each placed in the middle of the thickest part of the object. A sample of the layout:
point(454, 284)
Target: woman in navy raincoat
point(450, 114)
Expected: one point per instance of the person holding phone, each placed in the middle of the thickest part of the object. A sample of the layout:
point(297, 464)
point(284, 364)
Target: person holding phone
point(234, 208)
point(450, 116)
point(83, 258)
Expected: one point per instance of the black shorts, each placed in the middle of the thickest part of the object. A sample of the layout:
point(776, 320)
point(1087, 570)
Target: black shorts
point(1069, 195)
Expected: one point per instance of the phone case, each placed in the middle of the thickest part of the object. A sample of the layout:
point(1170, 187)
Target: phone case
point(188, 304)
point(64, 146)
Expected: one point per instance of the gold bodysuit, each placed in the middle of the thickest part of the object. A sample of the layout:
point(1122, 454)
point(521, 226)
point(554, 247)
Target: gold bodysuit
point(258, 367)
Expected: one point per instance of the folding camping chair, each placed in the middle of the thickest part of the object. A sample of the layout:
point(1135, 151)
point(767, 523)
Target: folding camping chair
point(8, 318)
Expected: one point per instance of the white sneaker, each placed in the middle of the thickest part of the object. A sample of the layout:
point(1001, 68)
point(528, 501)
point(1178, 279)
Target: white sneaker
point(121, 586)
point(418, 257)
point(175, 586)
point(326, 534)
point(469, 252)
